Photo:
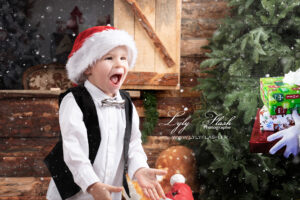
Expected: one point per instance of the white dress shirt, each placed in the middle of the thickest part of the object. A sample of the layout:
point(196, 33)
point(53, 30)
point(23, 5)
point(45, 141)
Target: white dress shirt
point(108, 166)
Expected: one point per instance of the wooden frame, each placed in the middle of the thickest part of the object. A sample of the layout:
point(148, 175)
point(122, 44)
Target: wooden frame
point(155, 25)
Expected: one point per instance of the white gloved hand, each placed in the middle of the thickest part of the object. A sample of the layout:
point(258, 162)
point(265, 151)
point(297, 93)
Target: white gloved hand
point(289, 138)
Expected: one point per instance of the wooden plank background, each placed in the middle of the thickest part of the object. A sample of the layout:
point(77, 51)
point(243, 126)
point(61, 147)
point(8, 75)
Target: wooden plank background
point(29, 121)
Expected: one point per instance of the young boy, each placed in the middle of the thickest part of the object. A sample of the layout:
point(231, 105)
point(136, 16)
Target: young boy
point(98, 142)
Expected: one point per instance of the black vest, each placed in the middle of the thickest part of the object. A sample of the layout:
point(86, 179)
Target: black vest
point(60, 172)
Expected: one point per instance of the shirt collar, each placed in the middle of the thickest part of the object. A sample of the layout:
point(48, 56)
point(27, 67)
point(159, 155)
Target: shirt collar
point(97, 93)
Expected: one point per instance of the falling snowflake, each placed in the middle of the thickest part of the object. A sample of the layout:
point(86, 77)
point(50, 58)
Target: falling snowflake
point(49, 9)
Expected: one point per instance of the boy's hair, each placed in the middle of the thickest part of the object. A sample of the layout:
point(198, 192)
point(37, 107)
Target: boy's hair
point(92, 44)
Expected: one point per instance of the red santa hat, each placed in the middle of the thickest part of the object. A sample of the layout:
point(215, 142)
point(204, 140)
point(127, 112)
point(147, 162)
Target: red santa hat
point(92, 44)
point(180, 190)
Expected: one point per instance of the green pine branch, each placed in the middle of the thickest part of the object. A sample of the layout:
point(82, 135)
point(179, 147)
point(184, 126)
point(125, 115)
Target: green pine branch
point(151, 114)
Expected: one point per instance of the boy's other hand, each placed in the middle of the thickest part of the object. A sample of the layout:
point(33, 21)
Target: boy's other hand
point(101, 191)
point(147, 180)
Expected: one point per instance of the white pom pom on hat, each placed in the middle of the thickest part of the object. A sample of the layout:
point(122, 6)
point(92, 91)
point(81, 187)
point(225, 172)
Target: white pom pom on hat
point(92, 44)
point(177, 178)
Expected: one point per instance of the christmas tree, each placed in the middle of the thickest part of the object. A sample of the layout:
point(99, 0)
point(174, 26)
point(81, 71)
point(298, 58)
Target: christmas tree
point(19, 42)
point(258, 38)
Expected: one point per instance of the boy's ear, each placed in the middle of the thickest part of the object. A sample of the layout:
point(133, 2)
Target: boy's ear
point(87, 71)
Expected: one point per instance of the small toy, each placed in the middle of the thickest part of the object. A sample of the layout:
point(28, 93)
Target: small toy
point(180, 190)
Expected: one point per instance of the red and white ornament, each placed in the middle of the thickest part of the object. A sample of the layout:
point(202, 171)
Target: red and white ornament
point(179, 190)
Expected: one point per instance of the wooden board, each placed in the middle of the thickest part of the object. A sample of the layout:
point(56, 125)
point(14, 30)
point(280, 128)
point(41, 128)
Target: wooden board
point(21, 188)
point(144, 44)
point(164, 17)
point(168, 106)
point(26, 147)
point(168, 14)
point(29, 117)
point(123, 16)
point(151, 78)
point(23, 166)
point(193, 47)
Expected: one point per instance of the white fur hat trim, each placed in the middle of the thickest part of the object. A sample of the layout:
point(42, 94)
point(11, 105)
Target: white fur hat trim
point(95, 47)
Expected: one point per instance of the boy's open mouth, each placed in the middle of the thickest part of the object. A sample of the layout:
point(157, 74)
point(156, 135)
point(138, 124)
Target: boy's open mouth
point(116, 78)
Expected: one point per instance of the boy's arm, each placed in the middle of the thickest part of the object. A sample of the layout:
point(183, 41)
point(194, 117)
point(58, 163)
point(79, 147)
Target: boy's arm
point(136, 156)
point(75, 143)
point(137, 164)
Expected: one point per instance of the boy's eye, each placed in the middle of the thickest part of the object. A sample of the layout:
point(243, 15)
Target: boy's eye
point(108, 58)
point(123, 58)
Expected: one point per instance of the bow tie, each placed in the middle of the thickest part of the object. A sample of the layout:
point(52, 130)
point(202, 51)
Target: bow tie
point(113, 102)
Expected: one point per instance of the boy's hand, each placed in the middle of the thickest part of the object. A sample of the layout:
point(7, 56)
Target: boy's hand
point(147, 180)
point(101, 191)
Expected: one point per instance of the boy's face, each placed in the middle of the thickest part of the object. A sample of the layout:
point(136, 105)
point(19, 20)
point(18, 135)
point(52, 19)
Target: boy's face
point(109, 73)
